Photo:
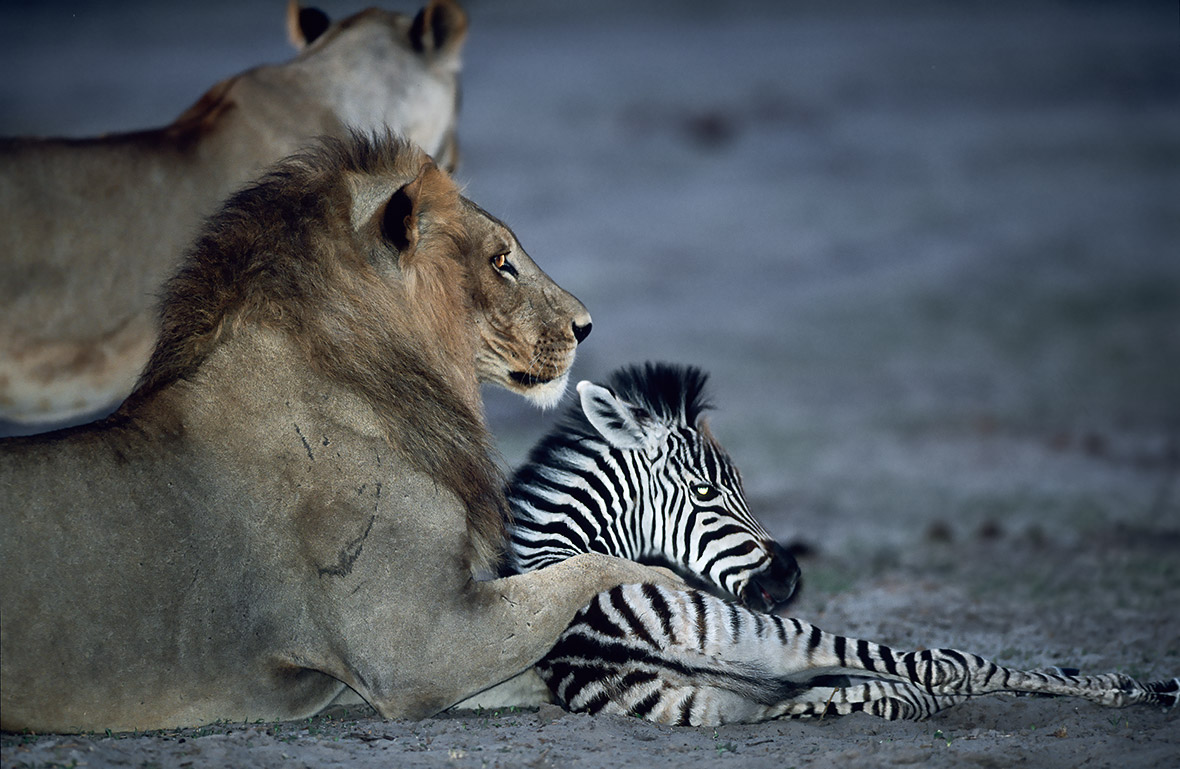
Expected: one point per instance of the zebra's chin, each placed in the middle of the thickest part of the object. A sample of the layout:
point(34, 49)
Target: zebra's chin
point(774, 586)
point(758, 598)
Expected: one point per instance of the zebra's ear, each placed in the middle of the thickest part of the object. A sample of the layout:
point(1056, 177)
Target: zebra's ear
point(622, 424)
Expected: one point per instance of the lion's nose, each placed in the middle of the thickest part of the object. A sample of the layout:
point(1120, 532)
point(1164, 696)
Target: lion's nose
point(581, 332)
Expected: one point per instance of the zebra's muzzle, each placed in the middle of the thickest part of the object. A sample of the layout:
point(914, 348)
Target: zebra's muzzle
point(775, 585)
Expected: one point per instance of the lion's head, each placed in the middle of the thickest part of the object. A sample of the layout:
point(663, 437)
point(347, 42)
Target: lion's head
point(472, 283)
point(528, 327)
point(378, 68)
point(364, 254)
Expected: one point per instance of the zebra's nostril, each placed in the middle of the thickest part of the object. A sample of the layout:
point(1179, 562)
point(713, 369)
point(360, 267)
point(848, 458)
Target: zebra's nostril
point(581, 332)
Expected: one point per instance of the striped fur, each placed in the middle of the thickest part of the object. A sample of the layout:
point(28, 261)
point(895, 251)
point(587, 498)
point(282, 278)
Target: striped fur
point(621, 476)
point(684, 657)
point(634, 472)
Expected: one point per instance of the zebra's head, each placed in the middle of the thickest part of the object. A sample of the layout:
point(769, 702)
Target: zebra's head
point(636, 473)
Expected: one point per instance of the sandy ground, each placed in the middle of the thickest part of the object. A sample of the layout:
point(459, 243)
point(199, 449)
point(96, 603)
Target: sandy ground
point(1100, 604)
point(931, 260)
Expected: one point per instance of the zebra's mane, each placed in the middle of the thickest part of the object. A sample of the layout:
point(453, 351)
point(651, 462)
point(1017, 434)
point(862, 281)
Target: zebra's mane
point(675, 395)
point(672, 394)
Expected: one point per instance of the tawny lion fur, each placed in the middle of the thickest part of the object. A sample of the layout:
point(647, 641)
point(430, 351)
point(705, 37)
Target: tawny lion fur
point(293, 501)
point(91, 228)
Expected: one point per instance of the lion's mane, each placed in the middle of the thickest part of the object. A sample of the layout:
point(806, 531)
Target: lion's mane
point(273, 256)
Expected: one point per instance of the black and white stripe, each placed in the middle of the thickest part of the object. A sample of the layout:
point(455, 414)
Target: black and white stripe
point(684, 657)
point(634, 472)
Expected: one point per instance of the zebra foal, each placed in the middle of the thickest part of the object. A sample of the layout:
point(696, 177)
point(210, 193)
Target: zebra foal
point(635, 474)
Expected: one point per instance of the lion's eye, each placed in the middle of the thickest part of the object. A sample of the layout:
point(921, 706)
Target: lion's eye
point(501, 263)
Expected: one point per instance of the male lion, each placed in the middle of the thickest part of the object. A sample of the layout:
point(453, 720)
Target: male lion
point(294, 498)
point(90, 228)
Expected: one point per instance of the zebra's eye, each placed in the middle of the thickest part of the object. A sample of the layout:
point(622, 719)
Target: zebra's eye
point(704, 491)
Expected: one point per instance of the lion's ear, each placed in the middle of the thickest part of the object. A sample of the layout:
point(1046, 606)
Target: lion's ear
point(439, 30)
point(399, 223)
point(304, 25)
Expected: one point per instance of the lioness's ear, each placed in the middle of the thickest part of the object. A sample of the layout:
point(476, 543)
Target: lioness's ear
point(399, 222)
point(624, 425)
point(439, 29)
point(304, 25)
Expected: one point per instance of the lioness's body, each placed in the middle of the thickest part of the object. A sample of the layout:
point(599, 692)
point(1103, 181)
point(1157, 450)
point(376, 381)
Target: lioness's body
point(90, 228)
point(294, 498)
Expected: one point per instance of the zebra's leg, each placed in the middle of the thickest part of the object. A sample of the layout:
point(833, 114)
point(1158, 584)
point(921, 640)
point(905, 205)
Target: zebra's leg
point(649, 692)
point(890, 700)
point(677, 657)
point(651, 696)
point(632, 689)
point(952, 672)
point(969, 674)
point(685, 657)
point(665, 655)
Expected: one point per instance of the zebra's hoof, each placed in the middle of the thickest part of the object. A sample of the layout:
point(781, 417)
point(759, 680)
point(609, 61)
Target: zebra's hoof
point(1167, 692)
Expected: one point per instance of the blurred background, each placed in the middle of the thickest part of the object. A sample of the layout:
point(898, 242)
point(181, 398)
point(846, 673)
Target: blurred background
point(930, 252)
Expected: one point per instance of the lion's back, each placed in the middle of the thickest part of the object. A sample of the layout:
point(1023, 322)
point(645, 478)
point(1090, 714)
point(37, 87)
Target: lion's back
point(90, 228)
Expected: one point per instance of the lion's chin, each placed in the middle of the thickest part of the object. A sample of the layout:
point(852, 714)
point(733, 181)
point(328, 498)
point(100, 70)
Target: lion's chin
point(543, 394)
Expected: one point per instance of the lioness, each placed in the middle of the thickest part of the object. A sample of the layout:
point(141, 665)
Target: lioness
point(294, 498)
point(89, 229)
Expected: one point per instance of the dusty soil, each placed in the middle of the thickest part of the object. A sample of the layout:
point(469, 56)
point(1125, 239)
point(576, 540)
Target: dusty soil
point(930, 257)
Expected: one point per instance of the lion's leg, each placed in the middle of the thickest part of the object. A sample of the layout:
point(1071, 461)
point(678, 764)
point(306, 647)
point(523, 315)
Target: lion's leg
point(486, 634)
point(523, 690)
point(527, 612)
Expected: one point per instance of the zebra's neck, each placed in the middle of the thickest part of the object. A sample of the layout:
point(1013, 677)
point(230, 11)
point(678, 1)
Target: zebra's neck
point(579, 500)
